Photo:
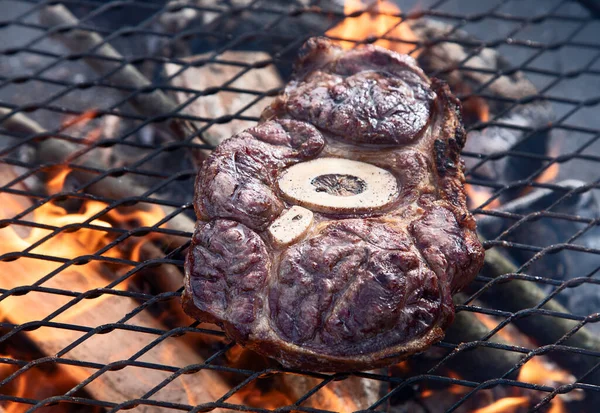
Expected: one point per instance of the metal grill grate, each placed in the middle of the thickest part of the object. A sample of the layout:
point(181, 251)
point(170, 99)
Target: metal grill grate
point(127, 146)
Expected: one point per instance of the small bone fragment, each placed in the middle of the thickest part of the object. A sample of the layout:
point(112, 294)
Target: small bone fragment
point(291, 225)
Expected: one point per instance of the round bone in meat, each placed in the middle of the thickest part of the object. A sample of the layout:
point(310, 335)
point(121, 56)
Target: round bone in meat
point(338, 185)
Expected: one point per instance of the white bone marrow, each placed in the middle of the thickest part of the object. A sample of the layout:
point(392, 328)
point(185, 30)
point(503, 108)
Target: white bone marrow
point(338, 185)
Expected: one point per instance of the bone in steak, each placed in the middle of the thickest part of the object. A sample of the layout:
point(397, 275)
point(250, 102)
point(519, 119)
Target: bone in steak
point(332, 235)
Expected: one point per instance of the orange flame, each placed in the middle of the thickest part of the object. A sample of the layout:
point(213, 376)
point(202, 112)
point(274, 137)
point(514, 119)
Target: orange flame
point(426, 393)
point(505, 405)
point(479, 195)
point(142, 217)
point(557, 406)
point(80, 234)
point(535, 371)
point(81, 120)
point(456, 388)
point(21, 386)
point(483, 111)
point(275, 395)
point(551, 172)
point(16, 388)
point(270, 399)
point(93, 135)
point(78, 241)
point(56, 184)
point(376, 22)
point(475, 106)
point(491, 324)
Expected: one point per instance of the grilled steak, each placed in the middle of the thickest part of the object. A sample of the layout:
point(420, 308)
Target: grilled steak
point(332, 235)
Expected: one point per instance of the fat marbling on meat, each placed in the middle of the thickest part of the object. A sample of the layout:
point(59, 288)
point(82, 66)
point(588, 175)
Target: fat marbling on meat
point(333, 234)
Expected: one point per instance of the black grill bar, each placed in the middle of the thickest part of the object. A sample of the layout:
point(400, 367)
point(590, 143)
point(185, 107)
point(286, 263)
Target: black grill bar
point(64, 109)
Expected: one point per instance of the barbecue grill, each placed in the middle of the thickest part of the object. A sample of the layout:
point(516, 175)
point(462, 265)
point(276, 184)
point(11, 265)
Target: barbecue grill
point(106, 109)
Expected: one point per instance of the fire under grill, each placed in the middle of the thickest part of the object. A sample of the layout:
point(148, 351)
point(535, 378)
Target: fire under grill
point(107, 108)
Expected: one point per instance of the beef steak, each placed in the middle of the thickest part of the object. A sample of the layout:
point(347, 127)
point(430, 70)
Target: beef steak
point(332, 235)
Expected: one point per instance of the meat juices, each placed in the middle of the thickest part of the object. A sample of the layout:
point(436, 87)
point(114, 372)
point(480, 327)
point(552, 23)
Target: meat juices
point(332, 235)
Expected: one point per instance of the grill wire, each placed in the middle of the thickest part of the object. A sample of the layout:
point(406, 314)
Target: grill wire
point(50, 110)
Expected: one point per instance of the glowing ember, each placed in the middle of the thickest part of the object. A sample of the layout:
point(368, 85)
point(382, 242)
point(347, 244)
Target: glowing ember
point(477, 196)
point(88, 237)
point(82, 240)
point(80, 120)
point(267, 399)
point(426, 393)
point(456, 388)
point(551, 172)
point(17, 388)
point(375, 22)
point(477, 106)
point(505, 405)
point(484, 110)
point(21, 387)
point(492, 323)
point(536, 371)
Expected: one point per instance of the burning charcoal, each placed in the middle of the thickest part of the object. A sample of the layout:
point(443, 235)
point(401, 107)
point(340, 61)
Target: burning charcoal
point(39, 382)
point(374, 23)
point(151, 104)
point(105, 309)
point(499, 139)
point(541, 231)
point(518, 295)
point(223, 103)
point(349, 395)
point(443, 59)
point(443, 55)
point(57, 151)
point(236, 20)
point(479, 363)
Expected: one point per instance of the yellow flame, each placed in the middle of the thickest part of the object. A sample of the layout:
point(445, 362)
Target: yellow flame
point(375, 23)
point(68, 245)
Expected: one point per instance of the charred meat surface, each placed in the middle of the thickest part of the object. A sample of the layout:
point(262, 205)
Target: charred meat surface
point(332, 235)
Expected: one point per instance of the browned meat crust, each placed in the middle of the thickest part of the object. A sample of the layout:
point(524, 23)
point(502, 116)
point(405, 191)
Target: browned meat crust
point(357, 290)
